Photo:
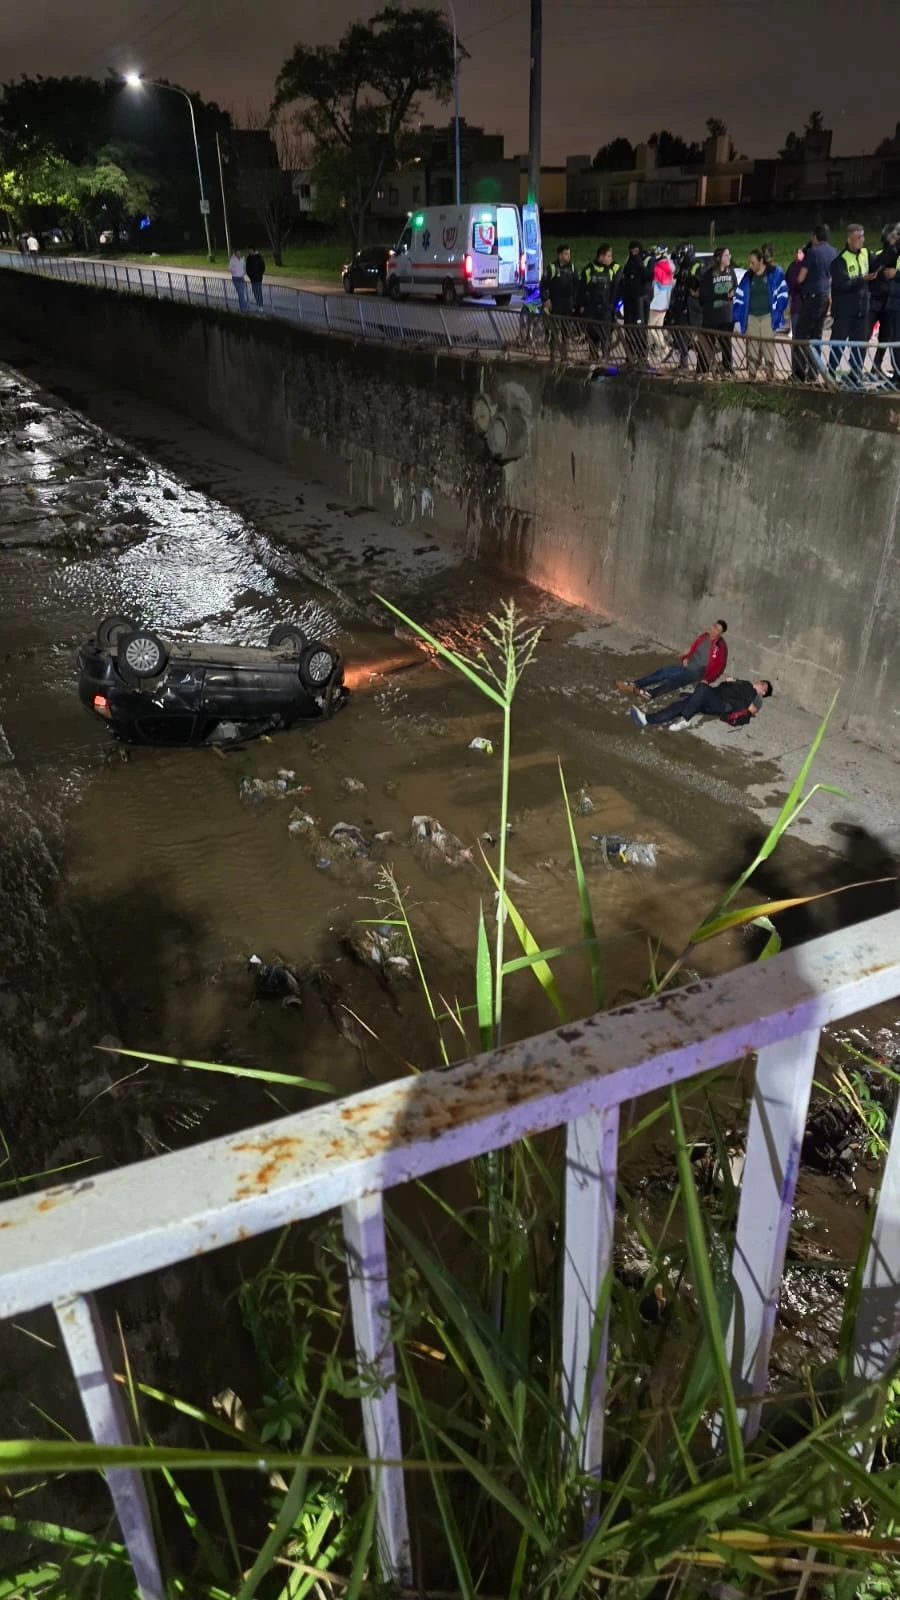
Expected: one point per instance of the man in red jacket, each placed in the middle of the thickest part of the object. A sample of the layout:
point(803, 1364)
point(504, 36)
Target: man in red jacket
point(704, 662)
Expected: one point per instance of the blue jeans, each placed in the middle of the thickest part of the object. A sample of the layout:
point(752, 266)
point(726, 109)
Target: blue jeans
point(241, 292)
point(665, 679)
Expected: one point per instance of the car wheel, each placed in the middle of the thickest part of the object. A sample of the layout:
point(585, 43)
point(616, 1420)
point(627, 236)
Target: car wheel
point(347, 281)
point(380, 286)
point(286, 633)
point(393, 288)
point(141, 654)
point(502, 299)
point(110, 630)
point(448, 292)
point(317, 664)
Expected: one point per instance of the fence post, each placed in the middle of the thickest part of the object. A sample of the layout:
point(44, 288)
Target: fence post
point(877, 1331)
point(363, 1223)
point(784, 1075)
point(445, 328)
point(205, 289)
point(591, 1158)
point(325, 308)
point(85, 1342)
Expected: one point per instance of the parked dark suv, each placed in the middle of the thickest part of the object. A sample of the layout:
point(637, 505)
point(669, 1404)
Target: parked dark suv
point(153, 692)
point(367, 269)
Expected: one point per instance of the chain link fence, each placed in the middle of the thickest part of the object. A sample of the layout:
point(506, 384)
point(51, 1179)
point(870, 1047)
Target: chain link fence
point(695, 353)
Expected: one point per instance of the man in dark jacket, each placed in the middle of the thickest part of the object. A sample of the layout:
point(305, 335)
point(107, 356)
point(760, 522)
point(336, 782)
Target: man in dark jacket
point(600, 283)
point(718, 287)
point(560, 296)
point(814, 282)
point(881, 309)
point(851, 273)
point(734, 700)
point(255, 267)
point(637, 292)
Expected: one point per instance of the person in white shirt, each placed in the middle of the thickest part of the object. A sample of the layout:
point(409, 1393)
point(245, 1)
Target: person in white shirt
point(236, 268)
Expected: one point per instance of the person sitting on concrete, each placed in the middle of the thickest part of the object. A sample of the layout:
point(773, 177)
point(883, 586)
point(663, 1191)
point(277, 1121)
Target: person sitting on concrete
point(734, 701)
point(706, 660)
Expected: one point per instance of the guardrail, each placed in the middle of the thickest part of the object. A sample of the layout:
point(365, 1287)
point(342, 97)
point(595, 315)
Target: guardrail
point(63, 1244)
point(689, 352)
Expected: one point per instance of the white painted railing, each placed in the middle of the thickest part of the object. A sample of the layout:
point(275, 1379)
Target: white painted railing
point(63, 1244)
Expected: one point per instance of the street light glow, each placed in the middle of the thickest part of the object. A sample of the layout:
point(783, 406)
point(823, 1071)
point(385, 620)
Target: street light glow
point(133, 80)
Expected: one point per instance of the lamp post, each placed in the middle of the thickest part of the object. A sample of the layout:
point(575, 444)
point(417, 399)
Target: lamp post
point(135, 81)
point(452, 11)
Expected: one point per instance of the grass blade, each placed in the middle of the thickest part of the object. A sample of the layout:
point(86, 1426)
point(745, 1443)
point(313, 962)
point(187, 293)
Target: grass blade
point(484, 985)
point(530, 947)
point(588, 927)
point(467, 668)
point(216, 1066)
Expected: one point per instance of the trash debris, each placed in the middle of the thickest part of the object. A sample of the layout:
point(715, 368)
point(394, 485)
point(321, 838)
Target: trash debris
point(432, 840)
point(493, 838)
point(385, 838)
point(253, 790)
point(385, 948)
point(353, 786)
point(275, 981)
point(301, 822)
point(351, 838)
point(624, 852)
point(584, 805)
point(482, 744)
point(323, 863)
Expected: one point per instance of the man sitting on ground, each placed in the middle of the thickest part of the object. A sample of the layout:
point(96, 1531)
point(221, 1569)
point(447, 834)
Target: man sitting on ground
point(705, 661)
point(735, 701)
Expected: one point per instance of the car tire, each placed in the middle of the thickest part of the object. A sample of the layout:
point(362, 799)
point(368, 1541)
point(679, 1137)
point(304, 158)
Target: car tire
point(316, 667)
point(141, 654)
point(393, 288)
point(448, 292)
point(381, 286)
point(502, 299)
point(110, 630)
point(286, 633)
point(347, 281)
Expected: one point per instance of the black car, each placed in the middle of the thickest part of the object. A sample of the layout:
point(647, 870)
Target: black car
point(153, 692)
point(367, 269)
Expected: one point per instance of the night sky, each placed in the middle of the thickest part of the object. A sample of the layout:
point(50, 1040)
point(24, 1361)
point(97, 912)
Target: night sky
point(610, 66)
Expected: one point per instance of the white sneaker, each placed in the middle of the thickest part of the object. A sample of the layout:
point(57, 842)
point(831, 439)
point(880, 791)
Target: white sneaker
point(638, 717)
point(678, 726)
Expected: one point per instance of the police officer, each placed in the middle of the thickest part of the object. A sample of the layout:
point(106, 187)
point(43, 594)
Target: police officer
point(851, 273)
point(880, 297)
point(600, 283)
point(560, 295)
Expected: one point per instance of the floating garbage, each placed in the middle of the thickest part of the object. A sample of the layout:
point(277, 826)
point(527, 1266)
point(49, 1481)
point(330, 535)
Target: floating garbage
point(353, 786)
point(482, 744)
point(584, 805)
point(385, 838)
point(350, 838)
point(275, 981)
point(617, 851)
point(323, 863)
point(301, 822)
point(384, 948)
point(281, 787)
point(434, 841)
point(494, 838)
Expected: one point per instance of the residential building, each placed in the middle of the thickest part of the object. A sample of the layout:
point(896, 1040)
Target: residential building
point(716, 181)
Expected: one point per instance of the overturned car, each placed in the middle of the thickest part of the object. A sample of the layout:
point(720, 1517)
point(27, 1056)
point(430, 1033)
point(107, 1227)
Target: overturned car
point(152, 691)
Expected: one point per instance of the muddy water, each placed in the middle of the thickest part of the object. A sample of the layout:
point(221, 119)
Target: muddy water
point(176, 883)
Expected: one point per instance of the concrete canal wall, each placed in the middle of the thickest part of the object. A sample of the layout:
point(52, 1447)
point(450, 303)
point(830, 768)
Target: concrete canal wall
point(659, 503)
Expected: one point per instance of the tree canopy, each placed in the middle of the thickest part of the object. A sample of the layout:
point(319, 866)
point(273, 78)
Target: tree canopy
point(357, 98)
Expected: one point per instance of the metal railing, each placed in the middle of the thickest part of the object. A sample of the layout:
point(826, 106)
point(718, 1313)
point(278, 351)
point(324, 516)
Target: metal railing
point(610, 348)
point(65, 1243)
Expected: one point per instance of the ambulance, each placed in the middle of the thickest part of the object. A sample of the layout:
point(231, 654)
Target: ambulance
point(460, 253)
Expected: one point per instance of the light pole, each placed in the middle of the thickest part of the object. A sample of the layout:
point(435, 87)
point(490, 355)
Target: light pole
point(135, 81)
point(224, 204)
point(455, 98)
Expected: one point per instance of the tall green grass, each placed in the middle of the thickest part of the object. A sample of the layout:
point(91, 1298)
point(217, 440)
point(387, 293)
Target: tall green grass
point(498, 1495)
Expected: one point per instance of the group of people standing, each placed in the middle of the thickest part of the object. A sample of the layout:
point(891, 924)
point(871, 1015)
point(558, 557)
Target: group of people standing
point(707, 304)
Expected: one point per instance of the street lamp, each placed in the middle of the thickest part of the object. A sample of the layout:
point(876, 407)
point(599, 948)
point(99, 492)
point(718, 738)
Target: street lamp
point(455, 96)
point(135, 81)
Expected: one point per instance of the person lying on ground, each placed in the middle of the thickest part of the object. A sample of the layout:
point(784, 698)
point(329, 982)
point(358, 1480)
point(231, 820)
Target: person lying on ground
point(705, 661)
point(734, 701)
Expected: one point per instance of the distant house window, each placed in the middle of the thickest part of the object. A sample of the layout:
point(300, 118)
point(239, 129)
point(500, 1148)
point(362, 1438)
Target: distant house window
point(305, 191)
point(834, 183)
point(393, 197)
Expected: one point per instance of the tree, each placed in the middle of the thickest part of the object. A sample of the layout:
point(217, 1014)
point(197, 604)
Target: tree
point(716, 128)
point(673, 151)
point(617, 156)
point(357, 99)
point(795, 144)
point(263, 172)
point(109, 191)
